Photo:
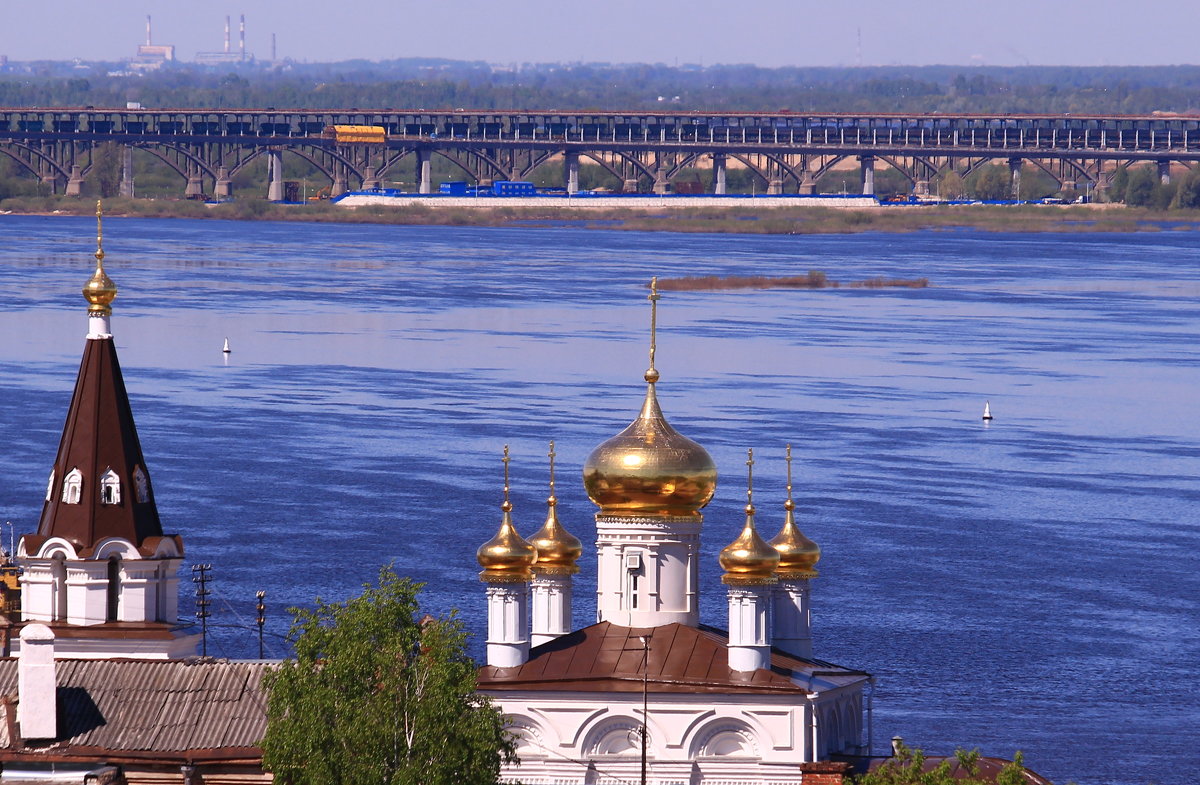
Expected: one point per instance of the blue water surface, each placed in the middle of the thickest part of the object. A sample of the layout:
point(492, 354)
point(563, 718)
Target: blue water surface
point(1029, 584)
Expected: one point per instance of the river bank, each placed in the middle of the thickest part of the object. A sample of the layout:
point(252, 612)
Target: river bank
point(801, 220)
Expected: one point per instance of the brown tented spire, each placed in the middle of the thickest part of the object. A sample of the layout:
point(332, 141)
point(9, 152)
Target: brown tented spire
point(99, 440)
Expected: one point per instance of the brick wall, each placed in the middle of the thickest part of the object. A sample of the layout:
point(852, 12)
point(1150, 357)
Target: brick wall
point(825, 772)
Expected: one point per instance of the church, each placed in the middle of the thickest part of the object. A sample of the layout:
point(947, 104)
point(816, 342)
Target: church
point(650, 693)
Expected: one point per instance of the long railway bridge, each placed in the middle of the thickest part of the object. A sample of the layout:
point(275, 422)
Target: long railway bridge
point(785, 151)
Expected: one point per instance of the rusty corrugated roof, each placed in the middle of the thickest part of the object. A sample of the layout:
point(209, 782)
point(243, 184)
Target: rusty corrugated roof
point(170, 709)
point(607, 658)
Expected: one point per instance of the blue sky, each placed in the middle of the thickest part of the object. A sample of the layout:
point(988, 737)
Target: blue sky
point(764, 32)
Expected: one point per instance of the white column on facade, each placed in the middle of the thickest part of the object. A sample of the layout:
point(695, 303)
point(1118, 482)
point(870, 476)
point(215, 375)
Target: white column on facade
point(87, 592)
point(646, 570)
point(168, 594)
point(749, 627)
point(37, 591)
point(508, 624)
point(793, 617)
point(551, 601)
point(139, 591)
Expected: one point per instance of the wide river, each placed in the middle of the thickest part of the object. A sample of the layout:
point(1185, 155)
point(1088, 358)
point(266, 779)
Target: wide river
point(1031, 584)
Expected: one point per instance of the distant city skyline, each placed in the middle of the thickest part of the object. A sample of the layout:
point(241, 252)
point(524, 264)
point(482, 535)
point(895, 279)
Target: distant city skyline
point(769, 33)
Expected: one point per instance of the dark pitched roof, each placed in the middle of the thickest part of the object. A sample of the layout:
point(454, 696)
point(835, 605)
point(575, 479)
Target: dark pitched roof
point(175, 710)
point(607, 658)
point(99, 435)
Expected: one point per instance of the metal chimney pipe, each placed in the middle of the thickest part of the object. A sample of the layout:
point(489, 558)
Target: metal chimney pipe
point(227, 35)
point(148, 30)
point(242, 37)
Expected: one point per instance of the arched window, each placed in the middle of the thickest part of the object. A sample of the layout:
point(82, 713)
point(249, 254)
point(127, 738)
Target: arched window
point(58, 577)
point(110, 488)
point(50, 487)
point(72, 492)
point(114, 589)
point(141, 485)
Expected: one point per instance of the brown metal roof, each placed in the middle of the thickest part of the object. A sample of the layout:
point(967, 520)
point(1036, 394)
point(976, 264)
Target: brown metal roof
point(99, 434)
point(164, 710)
point(607, 658)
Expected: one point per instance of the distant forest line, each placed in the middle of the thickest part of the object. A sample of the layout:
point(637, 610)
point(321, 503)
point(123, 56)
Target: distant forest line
point(448, 84)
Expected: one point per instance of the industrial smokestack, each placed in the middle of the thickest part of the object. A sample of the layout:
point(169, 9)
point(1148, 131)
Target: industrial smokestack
point(148, 30)
point(272, 47)
point(227, 35)
point(242, 37)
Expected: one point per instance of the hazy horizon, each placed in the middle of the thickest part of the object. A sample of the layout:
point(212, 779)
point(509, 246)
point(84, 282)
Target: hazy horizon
point(768, 33)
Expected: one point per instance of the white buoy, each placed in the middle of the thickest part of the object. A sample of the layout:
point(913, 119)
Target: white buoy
point(226, 348)
point(987, 408)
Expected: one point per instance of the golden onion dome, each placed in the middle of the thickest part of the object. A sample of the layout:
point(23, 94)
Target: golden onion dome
point(100, 290)
point(507, 557)
point(557, 549)
point(650, 469)
point(798, 555)
point(749, 559)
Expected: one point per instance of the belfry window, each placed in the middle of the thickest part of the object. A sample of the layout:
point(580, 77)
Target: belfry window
point(141, 485)
point(72, 491)
point(110, 488)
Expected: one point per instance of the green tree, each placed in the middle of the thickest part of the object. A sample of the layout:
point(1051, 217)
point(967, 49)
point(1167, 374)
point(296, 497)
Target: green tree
point(106, 167)
point(1188, 195)
point(1140, 189)
point(910, 767)
point(375, 696)
point(992, 182)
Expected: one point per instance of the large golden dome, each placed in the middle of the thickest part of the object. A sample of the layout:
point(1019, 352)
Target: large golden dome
point(650, 469)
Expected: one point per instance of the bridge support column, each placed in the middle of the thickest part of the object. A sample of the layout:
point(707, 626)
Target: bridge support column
point(1164, 171)
point(808, 186)
point(75, 182)
point(661, 183)
point(341, 182)
point(775, 186)
point(195, 187)
point(370, 180)
point(424, 172)
point(274, 176)
point(868, 174)
point(1014, 169)
point(718, 174)
point(629, 186)
point(127, 172)
point(223, 189)
point(571, 172)
point(921, 188)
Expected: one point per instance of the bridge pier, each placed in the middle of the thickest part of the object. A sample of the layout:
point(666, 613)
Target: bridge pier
point(808, 186)
point(127, 172)
point(194, 188)
point(1164, 171)
point(868, 174)
point(424, 171)
point(371, 182)
point(571, 171)
point(75, 182)
point(629, 186)
point(223, 189)
point(274, 176)
point(718, 173)
point(775, 186)
point(1014, 169)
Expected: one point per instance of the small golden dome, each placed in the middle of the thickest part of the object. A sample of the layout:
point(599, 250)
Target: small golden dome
point(507, 557)
point(100, 290)
point(749, 560)
point(557, 548)
point(798, 555)
point(650, 469)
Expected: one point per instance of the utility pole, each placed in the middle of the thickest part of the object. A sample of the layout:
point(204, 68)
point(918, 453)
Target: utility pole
point(200, 578)
point(645, 701)
point(261, 607)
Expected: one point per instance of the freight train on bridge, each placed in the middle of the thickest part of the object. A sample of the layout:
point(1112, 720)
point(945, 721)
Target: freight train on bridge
point(785, 151)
